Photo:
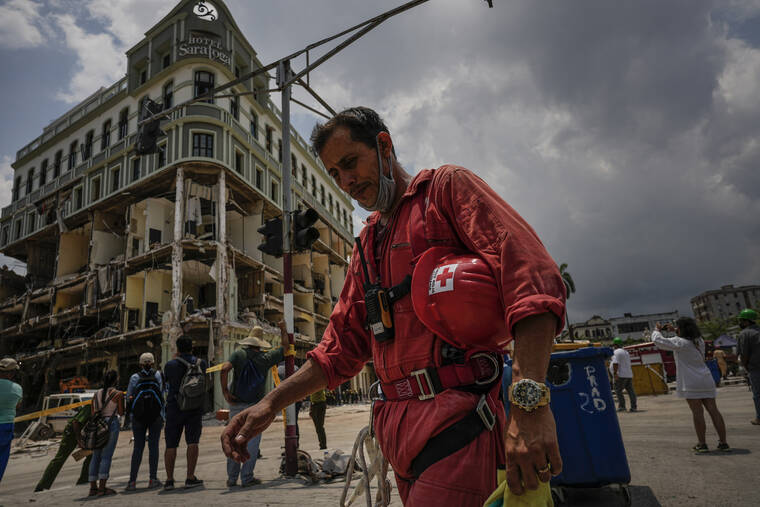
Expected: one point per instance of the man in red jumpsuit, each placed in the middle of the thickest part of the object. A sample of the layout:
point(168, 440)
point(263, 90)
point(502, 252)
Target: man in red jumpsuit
point(448, 206)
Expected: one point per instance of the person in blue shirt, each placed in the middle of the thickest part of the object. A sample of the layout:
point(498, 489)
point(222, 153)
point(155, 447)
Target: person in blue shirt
point(178, 420)
point(10, 397)
point(145, 391)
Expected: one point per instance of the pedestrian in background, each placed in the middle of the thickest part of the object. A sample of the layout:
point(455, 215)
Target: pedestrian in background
point(109, 401)
point(10, 398)
point(177, 420)
point(694, 382)
point(622, 375)
point(69, 441)
point(317, 410)
point(720, 358)
point(249, 365)
point(749, 352)
point(146, 402)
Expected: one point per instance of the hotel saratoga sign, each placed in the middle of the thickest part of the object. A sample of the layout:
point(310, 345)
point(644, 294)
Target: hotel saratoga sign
point(200, 45)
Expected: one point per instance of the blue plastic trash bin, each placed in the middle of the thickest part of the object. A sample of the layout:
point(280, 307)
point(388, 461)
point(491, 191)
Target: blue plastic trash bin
point(588, 432)
point(712, 365)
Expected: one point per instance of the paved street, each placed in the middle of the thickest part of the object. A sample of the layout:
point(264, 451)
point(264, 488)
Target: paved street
point(657, 440)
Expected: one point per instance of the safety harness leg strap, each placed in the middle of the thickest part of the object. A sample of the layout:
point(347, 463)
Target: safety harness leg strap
point(455, 437)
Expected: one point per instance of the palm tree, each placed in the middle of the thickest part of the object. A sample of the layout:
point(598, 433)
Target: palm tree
point(567, 279)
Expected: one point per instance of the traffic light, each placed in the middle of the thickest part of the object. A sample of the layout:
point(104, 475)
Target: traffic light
point(303, 232)
point(272, 231)
point(148, 133)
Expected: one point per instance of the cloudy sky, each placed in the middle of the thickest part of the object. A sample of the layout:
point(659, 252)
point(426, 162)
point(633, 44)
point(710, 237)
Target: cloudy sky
point(627, 133)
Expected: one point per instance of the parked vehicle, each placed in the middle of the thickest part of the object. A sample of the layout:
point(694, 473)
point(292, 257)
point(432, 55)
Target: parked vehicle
point(59, 420)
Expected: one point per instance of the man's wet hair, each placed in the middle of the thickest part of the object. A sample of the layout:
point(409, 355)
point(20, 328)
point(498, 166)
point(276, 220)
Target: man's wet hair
point(363, 123)
point(688, 328)
point(185, 344)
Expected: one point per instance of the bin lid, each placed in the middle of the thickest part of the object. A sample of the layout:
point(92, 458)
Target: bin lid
point(583, 353)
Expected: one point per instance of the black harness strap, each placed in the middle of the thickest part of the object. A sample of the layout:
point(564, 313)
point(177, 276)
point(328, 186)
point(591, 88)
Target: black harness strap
point(402, 289)
point(455, 437)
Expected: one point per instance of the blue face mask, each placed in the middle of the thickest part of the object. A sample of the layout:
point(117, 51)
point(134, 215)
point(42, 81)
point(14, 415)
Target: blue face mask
point(386, 187)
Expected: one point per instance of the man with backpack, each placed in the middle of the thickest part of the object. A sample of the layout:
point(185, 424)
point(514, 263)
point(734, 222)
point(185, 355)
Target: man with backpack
point(145, 395)
point(186, 382)
point(250, 365)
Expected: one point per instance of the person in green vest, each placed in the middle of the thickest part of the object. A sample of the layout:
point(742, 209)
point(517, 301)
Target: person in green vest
point(317, 414)
point(70, 440)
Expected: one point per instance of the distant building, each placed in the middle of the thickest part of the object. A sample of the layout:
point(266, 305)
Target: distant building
point(595, 328)
point(634, 327)
point(725, 302)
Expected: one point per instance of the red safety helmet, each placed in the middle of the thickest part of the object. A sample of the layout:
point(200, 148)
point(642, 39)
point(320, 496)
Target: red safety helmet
point(454, 293)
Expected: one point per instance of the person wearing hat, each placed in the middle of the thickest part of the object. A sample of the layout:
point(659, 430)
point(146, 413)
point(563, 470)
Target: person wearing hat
point(622, 374)
point(145, 395)
point(249, 364)
point(749, 354)
point(10, 398)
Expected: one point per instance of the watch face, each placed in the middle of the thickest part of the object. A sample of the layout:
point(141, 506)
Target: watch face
point(527, 393)
point(205, 10)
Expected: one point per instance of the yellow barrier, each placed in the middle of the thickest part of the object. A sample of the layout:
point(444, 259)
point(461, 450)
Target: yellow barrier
point(63, 408)
point(558, 347)
point(42, 413)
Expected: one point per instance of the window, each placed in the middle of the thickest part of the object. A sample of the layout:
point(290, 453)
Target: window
point(237, 72)
point(30, 181)
point(87, 146)
point(322, 194)
point(313, 186)
point(345, 218)
point(43, 172)
point(6, 230)
point(269, 139)
point(304, 180)
point(72, 155)
point(95, 190)
point(78, 198)
point(293, 165)
point(57, 163)
point(254, 125)
point(16, 188)
point(17, 232)
point(161, 155)
point(239, 162)
point(115, 178)
point(143, 76)
point(105, 136)
point(331, 203)
point(168, 94)
point(141, 109)
point(123, 123)
point(279, 150)
point(135, 169)
point(274, 190)
point(203, 145)
point(166, 61)
point(235, 107)
point(204, 81)
point(259, 178)
point(30, 221)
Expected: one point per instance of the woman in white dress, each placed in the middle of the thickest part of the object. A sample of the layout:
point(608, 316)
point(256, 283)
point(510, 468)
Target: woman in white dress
point(694, 382)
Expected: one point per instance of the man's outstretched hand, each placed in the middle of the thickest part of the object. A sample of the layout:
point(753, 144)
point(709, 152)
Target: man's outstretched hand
point(531, 445)
point(243, 427)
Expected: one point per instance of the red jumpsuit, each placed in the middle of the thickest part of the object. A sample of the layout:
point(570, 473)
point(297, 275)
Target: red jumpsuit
point(449, 206)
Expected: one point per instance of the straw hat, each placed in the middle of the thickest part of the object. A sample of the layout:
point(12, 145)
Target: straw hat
point(255, 339)
point(8, 364)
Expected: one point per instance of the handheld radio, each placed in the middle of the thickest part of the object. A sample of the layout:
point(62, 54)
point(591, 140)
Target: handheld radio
point(377, 304)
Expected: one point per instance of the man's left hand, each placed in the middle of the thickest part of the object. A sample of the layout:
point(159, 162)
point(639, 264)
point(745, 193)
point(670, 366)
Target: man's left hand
point(532, 448)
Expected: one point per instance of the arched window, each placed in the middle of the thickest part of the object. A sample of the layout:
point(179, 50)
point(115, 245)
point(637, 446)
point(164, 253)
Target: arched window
point(123, 123)
point(105, 136)
point(204, 81)
point(168, 95)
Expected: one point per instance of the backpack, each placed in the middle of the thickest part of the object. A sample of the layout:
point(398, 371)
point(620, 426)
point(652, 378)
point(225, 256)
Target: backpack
point(192, 389)
point(97, 430)
point(148, 401)
point(247, 382)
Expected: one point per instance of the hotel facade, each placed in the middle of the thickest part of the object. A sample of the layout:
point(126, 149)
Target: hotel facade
point(125, 252)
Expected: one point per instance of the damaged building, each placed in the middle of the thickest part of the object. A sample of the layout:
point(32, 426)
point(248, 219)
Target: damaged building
point(124, 253)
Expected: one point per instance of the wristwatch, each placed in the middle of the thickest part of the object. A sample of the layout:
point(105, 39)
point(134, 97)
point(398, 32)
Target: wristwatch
point(529, 394)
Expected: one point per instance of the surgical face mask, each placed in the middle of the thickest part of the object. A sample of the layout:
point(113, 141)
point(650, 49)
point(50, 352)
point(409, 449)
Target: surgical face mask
point(386, 187)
